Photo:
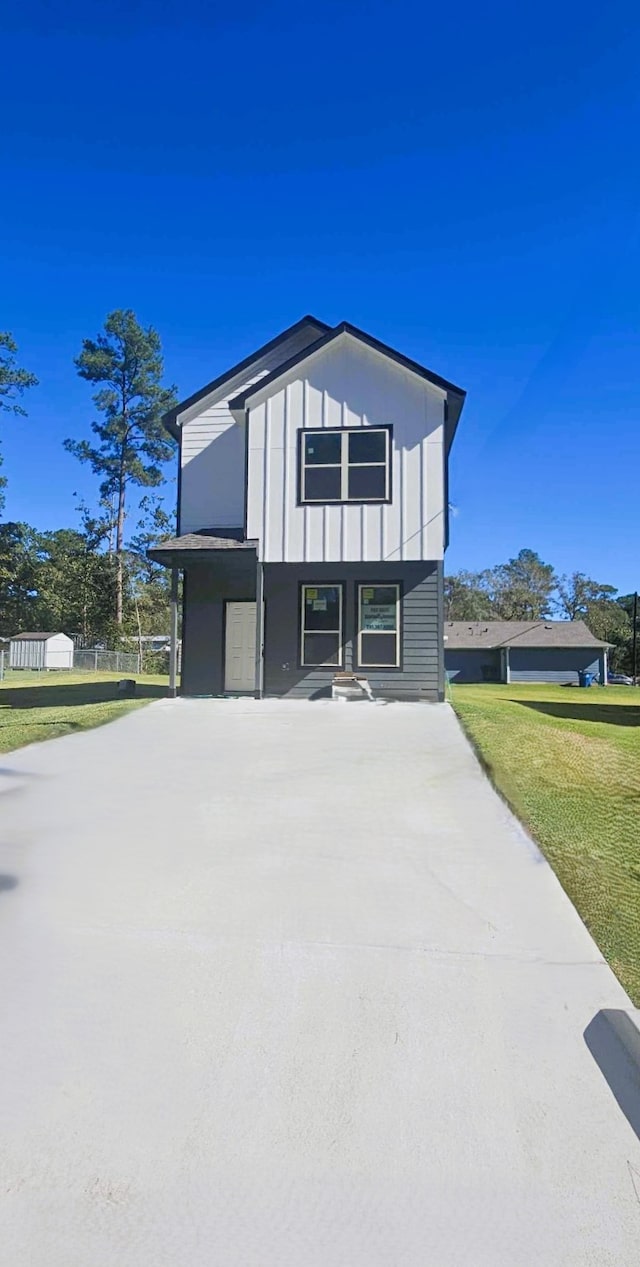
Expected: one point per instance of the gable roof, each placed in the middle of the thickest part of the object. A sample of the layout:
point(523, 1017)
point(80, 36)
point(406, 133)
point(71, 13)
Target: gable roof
point(479, 635)
point(170, 418)
point(455, 395)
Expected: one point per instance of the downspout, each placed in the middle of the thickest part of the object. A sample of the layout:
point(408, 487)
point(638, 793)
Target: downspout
point(441, 638)
point(260, 630)
point(173, 645)
point(507, 667)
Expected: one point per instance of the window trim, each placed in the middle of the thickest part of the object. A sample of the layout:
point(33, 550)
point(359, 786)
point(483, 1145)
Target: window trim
point(305, 585)
point(344, 466)
point(386, 668)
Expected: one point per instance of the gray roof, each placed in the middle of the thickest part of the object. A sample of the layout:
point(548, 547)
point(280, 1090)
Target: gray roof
point(36, 637)
point(483, 634)
point(192, 541)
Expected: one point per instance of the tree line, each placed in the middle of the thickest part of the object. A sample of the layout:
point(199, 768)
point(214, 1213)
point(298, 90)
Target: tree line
point(526, 588)
point(94, 580)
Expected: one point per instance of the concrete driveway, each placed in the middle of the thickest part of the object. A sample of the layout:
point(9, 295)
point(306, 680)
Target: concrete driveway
point(285, 985)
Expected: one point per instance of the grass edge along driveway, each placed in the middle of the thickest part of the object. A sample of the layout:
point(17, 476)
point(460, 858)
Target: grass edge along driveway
point(37, 706)
point(568, 763)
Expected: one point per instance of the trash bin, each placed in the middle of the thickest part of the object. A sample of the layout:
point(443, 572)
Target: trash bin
point(585, 678)
point(127, 686)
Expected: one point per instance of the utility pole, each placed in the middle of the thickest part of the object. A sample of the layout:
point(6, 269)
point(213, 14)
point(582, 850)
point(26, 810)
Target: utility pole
point(634, 647)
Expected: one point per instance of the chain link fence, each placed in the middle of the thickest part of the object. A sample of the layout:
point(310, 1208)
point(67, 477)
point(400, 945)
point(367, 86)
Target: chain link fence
point(88, 662)
point(92, 660)
point(106, 662)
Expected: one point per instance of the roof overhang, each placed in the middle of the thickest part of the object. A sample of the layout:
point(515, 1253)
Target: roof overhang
point(196, 547)
point(171, 418)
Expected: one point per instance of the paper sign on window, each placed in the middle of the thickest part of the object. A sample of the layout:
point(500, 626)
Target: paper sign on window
point(311, 594)
point(379, 616)
point(319, 604)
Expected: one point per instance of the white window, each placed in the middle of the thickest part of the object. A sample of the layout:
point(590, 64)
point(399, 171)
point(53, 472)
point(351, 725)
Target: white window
point(346, 466)
point(378, 626)
point(321, 625)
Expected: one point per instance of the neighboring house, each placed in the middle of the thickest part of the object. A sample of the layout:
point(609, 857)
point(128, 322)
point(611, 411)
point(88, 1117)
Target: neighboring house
point(41, 651)
point(149, 642)
point(312, 519)
point(522, 651)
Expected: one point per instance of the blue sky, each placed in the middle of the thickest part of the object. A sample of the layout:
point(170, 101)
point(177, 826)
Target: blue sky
point(461, 181)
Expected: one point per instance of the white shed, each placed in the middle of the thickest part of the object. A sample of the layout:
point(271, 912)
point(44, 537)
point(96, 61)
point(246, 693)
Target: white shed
point(41, 651)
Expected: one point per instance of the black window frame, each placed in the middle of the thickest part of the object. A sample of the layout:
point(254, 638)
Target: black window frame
point(305, 585)
point(344, 467)
point(378, 668)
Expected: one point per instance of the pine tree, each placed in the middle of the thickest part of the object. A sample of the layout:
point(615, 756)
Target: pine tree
point(13, 382)
point(125, 362)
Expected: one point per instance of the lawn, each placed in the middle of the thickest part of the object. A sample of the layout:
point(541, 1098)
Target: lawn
point(568, 762)
point(37, 706)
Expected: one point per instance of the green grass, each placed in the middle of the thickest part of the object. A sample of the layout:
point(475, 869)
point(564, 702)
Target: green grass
point(568, 762)
point(36, 706)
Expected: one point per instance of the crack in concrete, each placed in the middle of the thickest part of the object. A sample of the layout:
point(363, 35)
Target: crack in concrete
point(203, 941)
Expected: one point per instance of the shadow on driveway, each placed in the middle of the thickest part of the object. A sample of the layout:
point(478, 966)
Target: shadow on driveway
point(614, 1043)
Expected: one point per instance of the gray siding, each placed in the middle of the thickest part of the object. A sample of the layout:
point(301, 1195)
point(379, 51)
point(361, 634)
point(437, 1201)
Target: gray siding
point(552, 664)
point(528, 664)
point(207, 586)
point(472, 666)
point(420, 675)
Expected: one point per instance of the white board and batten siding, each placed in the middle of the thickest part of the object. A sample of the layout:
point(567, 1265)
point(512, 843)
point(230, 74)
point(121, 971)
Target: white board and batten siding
point(212, 476)
point(347, 384)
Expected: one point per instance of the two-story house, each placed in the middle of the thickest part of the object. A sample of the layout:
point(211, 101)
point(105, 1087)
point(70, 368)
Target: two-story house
point(313, 519)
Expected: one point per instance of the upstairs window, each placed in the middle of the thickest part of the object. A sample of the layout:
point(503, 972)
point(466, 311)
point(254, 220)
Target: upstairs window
point(346, 466)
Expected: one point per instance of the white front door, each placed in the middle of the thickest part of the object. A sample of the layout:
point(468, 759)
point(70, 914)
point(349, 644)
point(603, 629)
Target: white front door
point(240, 647)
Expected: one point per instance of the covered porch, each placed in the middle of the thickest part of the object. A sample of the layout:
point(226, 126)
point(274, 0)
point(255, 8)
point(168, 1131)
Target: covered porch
point(221, 613)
